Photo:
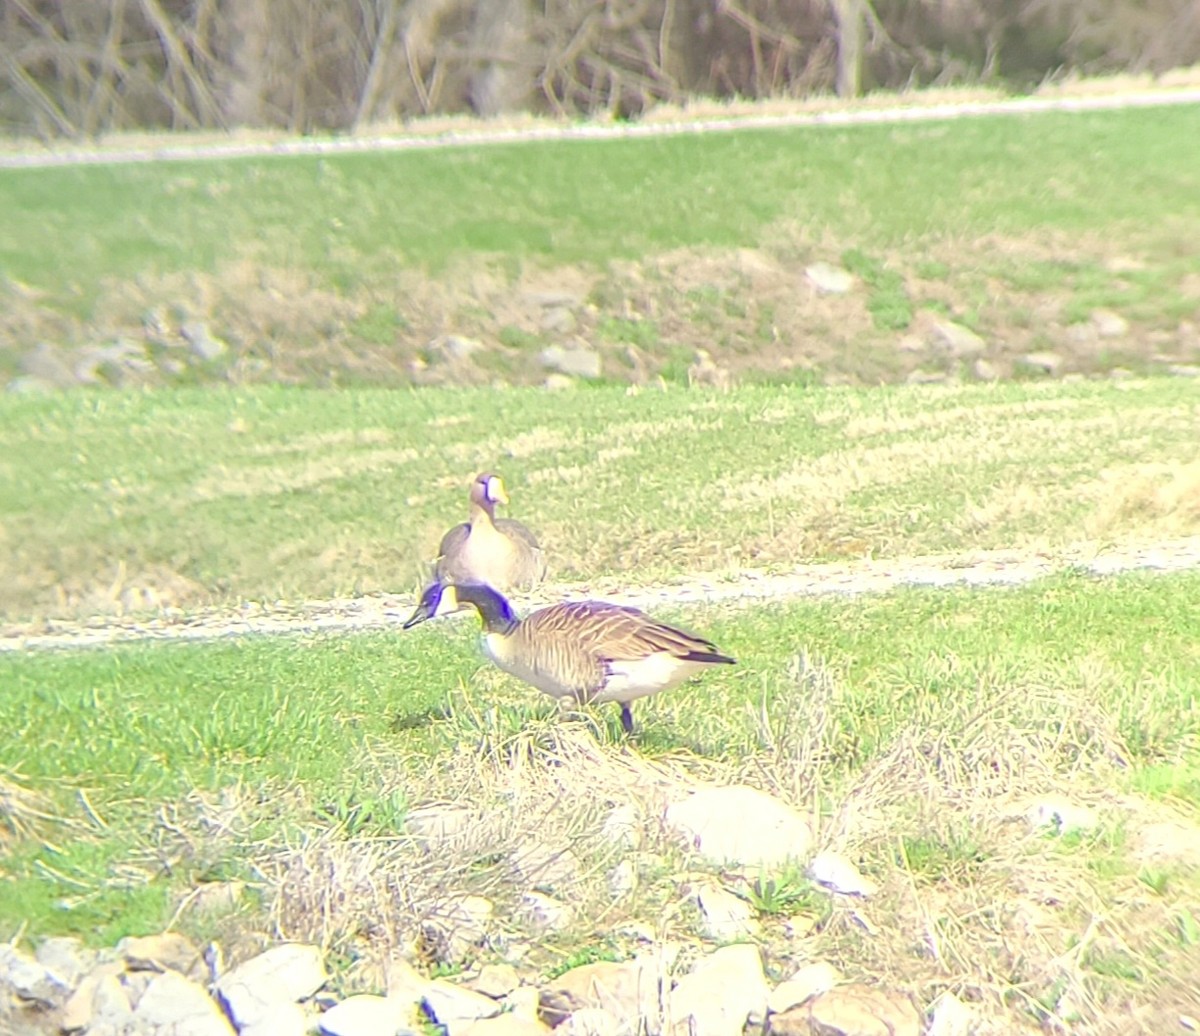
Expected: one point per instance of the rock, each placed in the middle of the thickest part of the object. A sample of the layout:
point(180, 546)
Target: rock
point(705, 371)
point(1183, 370)
point(67, 958)
point(985, 370)
point(457, 926)
point(725, 917)
point(283, 974)
point(99, 999)
point(30, 981)
point(722, 993)
point(545, 913)
point(121, 363)
point(959, 341)
point(624, 990)
point(1061, 815)
point(452, 349)
point(1041, 363)
point(522, 1003)
point(175, 1006)
point(858, 1010)
point(496, 980)
point(47, 363)
point(739, 824)
point(1170, 841)
point(554, 868)
point(505, 1025)
point(595, 1021)
point(454, 1006)
point(834, 872)
point(366, 1015)
point(216, 897)
point(622, 879)
point(441, 824)
point(809, 981)
point(924, 377)
point(578, 360)
point(829, 279)
point(949, 1016)
point(284, 1020)
point(30, 385)
point(403, 981)
point(558, 320)
point(558, 383)
point(203, 345)
point(1109, 324)
point(159, 952)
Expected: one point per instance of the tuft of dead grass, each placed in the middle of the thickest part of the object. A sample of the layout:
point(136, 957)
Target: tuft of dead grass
point(23, 811)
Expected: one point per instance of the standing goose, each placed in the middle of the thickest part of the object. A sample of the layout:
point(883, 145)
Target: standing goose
point(591, 651)
point(485, 549)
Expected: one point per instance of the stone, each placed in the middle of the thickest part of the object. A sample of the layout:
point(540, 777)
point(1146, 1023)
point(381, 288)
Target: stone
point(67, 958)
point(554, 868)
point(1109, 324)
point(120, 363)
point(452, 349)
point(579, 361)
point(1041, 363)
point(618, 989)
point(441, 824)
point(159, 952)
point(98, 996)
point(459, 925)
point(203, 344)
point(506, 1025)
point(829, 279)
point(722, 993)
point(545, 913)
point(860, 1010)
point(284, 1020)
point(558, 320)
point(1061, 815)
point(724, 916)
point(1121, 374)
point(30, 385)
point(985, 370)
point(926, 377)
point(1183, 370)
point(953, 338)
point(807, 982)
point(522, 1003)
point(837, 874)
point(622, 879)
point(496, 980)
point(175, 1006)
point(30, 981)
point(453, 1006)
point(216, 897)
point(558, 383)
point(739, 824)
point(366, 1015)
point(284, 974)
point(595, 1021)
point(949, 1016)
point(404, 982)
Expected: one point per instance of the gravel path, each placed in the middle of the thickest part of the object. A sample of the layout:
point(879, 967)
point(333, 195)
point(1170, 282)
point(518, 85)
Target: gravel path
point(387, 611)
point(913, 109)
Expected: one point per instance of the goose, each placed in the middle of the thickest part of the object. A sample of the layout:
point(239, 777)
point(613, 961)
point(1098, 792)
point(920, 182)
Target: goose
point(485, 549)
point(591, 651)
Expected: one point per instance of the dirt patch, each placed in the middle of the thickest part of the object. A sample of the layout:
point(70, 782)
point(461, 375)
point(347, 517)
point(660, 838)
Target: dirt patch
point(756, 312)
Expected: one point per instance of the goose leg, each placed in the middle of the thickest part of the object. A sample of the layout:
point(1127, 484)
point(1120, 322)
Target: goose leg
point(626, 718)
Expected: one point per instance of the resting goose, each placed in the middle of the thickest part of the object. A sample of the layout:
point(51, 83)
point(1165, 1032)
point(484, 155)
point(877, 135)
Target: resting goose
point(485, 549)
point(591, 651)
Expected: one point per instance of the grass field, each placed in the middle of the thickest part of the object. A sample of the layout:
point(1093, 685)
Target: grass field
point(916, 729)
point(115, 502)
point(1018, 227)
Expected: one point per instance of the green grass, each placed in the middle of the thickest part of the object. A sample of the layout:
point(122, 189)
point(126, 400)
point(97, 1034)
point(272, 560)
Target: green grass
point(334, 731)
point(209, 496)
point(588, 201)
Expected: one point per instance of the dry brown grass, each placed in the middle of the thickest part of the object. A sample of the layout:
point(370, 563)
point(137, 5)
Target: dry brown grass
point(1039, 932)
point(23, 811)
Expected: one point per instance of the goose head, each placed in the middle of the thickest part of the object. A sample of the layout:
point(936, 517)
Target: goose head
point(487, 491)
point(446, 598)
